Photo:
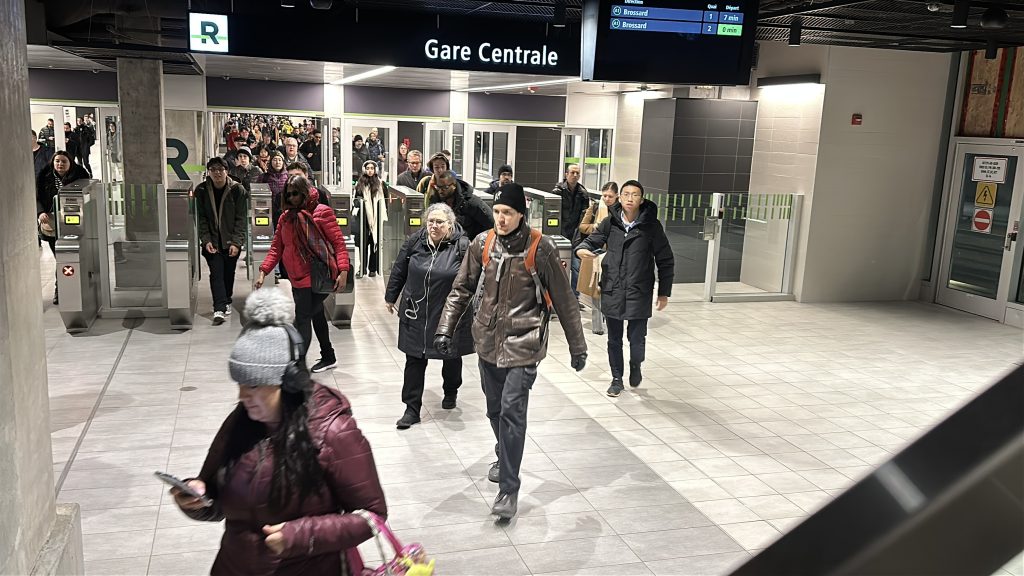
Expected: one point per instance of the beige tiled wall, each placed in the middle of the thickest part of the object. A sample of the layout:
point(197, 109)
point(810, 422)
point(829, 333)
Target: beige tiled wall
point(626, 147)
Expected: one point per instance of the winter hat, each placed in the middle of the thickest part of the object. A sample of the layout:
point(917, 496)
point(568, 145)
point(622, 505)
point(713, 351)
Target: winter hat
point(440, 156)
point(244, 150)
point(263, 349)
point(511, 195)
point(367, 163)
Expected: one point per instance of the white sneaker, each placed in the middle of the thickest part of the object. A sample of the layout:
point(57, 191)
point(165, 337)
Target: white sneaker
point(218, 318)
point(228, 311)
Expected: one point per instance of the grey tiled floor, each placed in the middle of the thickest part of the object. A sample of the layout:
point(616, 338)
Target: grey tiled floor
point(750, 417)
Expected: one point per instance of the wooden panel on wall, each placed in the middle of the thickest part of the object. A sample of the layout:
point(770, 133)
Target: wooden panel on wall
point(993, 95)
point(1015, 104)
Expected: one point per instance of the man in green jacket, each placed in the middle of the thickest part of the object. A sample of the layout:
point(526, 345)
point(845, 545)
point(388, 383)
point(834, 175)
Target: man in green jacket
point(221, 206)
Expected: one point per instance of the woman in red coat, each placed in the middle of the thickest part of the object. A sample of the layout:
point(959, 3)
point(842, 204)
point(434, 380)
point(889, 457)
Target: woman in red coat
point(297, 241)
point(289, 466)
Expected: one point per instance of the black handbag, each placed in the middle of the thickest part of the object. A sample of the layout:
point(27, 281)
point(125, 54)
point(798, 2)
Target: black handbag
point(320, 280)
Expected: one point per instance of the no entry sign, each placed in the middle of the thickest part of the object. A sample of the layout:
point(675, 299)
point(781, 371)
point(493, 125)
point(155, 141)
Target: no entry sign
point(982, 221)
point(68, 270)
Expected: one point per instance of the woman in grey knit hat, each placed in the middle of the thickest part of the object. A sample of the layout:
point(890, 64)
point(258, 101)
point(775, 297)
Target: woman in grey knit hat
point(289, 466)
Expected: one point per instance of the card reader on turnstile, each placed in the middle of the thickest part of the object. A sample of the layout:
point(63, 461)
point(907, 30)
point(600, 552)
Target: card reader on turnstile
point(261, 224)
point(78, 259)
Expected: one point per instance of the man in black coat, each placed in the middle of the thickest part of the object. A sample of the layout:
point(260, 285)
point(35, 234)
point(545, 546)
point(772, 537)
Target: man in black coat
point(471, 212)
point(574, 203)
point(636, 245)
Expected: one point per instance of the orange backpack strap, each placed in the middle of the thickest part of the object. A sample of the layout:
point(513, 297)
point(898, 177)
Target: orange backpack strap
point(531, 266)
point(488, 245)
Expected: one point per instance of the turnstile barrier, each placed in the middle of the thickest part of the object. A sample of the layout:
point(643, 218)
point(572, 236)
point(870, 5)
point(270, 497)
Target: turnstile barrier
point(182, 255)
point(340, 306)
point(77, 254)
point(261, 223)
point(405, 216)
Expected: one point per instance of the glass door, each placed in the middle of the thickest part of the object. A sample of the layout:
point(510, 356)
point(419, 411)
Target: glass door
point(980, 244)
point(366, 136)
point(493, 146)
point(436, 139)
point(591, 150)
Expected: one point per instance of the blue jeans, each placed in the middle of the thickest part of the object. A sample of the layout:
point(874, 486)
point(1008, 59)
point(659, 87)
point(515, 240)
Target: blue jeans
point(575, 266)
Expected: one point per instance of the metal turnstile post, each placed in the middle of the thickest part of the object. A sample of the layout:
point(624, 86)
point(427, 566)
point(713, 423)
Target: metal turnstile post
point(78, 259)
point(182, 257)
point(340, 307)
point(405, 216)
point(261, 222)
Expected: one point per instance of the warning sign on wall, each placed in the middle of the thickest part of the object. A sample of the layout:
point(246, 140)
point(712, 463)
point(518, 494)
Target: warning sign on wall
point(988, 169)
point(985, 196)
point(982, 221)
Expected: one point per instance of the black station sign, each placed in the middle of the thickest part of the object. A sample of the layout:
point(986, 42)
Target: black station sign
point(405, 38)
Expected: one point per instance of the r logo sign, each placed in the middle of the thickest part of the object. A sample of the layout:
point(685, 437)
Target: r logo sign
point(208, 32)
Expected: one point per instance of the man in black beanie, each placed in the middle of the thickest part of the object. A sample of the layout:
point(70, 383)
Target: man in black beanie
point(504, 177)
point(510, 328)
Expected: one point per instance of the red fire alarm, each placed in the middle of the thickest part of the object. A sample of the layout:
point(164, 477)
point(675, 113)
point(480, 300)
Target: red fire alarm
point(857, 120)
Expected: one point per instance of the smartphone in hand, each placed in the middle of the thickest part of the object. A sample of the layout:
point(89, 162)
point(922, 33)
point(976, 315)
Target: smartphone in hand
point(183, 486)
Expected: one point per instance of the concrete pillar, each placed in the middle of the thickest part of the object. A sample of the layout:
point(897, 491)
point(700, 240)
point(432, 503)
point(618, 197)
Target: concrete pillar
point(32, 537)
point(140, 91)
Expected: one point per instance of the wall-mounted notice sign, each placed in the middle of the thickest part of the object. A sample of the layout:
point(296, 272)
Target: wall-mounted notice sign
point(989, 169)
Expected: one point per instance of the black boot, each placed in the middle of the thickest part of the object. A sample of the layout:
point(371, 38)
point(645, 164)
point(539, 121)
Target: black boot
point(635, 377)
point(407, 420)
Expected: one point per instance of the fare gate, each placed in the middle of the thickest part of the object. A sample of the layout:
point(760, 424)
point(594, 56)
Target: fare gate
point(261, 225)
point(182, 255)
point(340, 307)
point(77, 253)
point(405, 216)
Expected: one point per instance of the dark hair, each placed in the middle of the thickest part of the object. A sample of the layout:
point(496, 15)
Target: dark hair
point(298, 166)
point(634, 183)
point(296, 468)
point(216, 161)
point(63, 153)
point(505, 168)
point(33, 133)
point(358, 138)
point(295, 183)
point(444, 175)
point(611, 185)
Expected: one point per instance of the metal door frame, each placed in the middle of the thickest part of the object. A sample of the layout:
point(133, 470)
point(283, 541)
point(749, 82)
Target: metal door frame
point(392, 146)
point(446, 145)
point(581, 133)
point(994, 308)
point(469, 133)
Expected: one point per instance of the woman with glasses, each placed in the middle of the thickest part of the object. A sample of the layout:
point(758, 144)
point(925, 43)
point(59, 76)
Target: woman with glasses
point(308, 231)
point(419, 285)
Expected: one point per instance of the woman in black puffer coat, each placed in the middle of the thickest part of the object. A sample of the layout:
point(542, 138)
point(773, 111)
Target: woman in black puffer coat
point(61, 171)
point(419, 285)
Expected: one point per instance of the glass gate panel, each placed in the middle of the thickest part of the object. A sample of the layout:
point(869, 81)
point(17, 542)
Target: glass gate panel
point(481, 159)
point(982, 223)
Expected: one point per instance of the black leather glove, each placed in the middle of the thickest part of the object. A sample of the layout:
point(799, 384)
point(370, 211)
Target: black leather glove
point(443, 344)
point(579, 361)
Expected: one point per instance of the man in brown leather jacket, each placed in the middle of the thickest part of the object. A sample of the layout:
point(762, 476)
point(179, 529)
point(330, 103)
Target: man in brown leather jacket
point(510, 328)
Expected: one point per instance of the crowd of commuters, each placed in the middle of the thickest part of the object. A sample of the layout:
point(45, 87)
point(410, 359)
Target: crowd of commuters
point(289, 470)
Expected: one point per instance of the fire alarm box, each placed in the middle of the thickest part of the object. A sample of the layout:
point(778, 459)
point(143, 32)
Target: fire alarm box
point(857, 120)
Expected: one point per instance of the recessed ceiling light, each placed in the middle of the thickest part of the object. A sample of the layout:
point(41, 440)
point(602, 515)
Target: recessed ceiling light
point(365, 75)
point(519, 85)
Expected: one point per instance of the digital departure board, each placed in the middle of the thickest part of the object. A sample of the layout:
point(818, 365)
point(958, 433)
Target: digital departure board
point(668, 41)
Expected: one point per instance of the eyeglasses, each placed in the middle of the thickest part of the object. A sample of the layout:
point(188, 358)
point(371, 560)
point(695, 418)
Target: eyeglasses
point(446, 186)
point(437, 223)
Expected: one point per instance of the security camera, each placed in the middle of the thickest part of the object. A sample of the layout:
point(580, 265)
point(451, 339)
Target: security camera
point(934, 7)
point(95, 70)
point(226, 77)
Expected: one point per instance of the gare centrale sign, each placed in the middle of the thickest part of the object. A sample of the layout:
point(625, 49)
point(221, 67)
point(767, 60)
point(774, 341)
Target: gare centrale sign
point(486, 52)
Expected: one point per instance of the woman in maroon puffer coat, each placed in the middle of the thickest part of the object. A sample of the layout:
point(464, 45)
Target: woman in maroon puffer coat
point(285, 515)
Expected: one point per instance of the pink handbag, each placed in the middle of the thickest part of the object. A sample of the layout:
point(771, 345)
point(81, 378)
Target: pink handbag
point(409, 560)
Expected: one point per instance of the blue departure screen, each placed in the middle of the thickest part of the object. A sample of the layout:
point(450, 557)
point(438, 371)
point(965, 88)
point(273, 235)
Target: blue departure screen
point(669, 41)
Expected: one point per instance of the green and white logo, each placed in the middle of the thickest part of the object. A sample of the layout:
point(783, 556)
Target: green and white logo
point(208, 32)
